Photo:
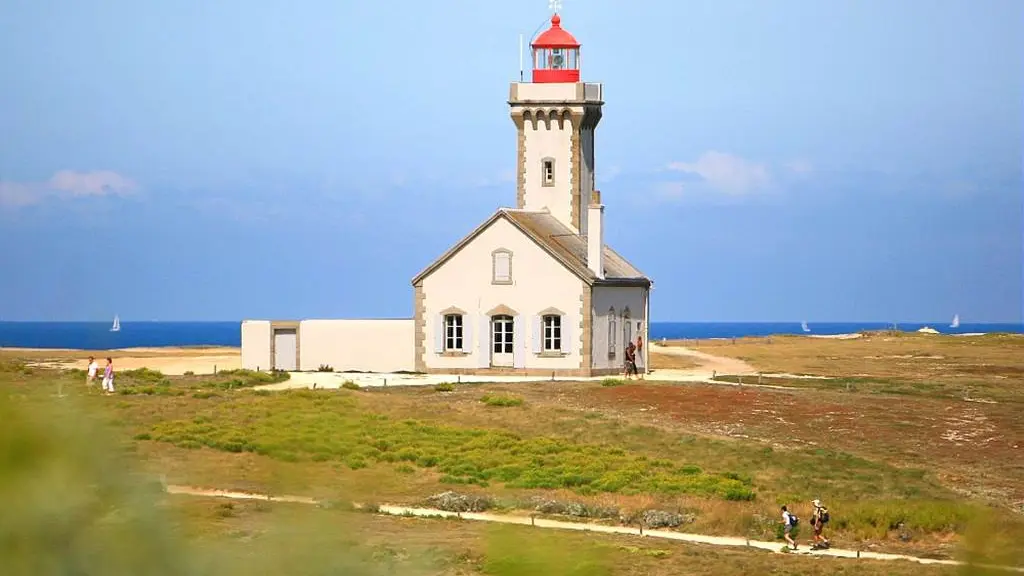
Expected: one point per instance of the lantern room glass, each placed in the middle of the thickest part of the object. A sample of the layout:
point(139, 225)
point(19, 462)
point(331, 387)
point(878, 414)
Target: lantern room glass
point(556, 59)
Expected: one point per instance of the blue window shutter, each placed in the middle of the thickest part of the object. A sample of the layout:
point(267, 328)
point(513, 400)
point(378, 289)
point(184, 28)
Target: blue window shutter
point(483, 348)
point(567, 342)
point(538, 335)
point(439, 334)
point(467, 333)
point(519, 344)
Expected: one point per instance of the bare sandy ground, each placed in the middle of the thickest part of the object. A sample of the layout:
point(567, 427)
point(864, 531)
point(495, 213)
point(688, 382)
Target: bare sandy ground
point(206, 360)
point(171, 360)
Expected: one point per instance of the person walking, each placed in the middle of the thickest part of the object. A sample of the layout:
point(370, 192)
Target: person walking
point(90, 373)
point(108, 377)
point(788, 522)
point(819, 518)
point(630, 360)
point(639, 357)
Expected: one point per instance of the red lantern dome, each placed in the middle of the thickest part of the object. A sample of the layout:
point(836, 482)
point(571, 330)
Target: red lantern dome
point(556, 55)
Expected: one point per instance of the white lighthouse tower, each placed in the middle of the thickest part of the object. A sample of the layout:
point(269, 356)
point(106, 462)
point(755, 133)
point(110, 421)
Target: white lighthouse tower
point(555, 117)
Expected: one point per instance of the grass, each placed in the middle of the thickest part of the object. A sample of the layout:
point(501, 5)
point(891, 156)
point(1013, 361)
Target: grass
point(595, 444)
point(890, 362)
point(275, 538)
point(501, 401)
point(868, 499)
point(310, 426)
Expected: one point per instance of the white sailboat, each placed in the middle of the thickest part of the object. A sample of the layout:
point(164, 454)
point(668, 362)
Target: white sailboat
point(117, 324)
point(956, 321)
point(803, 326)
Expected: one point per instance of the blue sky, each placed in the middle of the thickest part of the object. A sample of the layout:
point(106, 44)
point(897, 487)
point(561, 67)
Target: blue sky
point(785, 160)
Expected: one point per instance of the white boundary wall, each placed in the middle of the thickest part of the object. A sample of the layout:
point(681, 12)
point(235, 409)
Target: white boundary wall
point(357, 345)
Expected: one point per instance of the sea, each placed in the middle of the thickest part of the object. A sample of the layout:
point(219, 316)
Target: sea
point(97, 335)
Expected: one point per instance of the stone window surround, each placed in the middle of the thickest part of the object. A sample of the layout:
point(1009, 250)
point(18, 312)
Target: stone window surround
point(494, 267)
point(543, 172)
point(453, 311)
point(557, 353)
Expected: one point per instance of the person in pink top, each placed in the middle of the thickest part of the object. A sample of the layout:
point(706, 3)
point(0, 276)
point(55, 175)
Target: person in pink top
point(108, 377)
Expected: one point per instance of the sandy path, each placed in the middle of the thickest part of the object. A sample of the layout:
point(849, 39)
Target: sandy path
point(172, 361)
point(709, 363)
point(562, 525)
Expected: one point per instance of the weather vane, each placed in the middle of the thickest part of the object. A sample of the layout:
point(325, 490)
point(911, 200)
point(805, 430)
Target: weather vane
point(554, 5)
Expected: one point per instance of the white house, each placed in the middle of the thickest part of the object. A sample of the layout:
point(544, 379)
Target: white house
point(533, 290)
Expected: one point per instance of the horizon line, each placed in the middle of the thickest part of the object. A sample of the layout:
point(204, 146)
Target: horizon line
point(809, 322)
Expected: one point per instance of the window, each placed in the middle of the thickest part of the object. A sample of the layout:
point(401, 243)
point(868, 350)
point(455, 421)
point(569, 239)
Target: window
point(501, 266)
point(548, 172)
point(612, 331)
point(453, 332)
point(627, 328)
point(557, 60)
point(552, 333)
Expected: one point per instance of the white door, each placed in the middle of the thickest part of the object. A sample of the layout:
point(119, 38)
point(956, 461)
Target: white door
point(502, 341)
point(285, 350)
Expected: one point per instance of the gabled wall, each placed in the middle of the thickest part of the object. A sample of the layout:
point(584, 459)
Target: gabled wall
point(464, 284)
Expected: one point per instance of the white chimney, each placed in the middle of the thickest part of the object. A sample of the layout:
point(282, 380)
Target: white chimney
point(595, 235)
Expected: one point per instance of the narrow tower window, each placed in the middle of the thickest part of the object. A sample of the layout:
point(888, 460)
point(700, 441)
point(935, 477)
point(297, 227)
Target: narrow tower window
point(548, 172)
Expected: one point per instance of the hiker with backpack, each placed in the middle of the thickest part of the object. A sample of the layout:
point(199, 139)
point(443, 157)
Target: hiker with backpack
point(819, 518)
point(789, 521)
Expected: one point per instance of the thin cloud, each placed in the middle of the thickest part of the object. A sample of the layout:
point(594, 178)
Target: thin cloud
point(800, 167)
point(726, 173)
point(67, 183)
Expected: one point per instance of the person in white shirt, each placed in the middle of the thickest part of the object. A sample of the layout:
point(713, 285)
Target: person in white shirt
point(788, 521)
point(90, 375)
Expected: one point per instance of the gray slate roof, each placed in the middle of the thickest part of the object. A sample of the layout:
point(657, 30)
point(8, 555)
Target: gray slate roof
point(561, 242)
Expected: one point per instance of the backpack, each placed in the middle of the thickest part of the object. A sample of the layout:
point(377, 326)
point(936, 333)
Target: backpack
point(823, 516)
point(793, 520)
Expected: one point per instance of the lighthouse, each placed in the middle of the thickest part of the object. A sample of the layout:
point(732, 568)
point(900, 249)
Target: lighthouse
point(555, 117)
point(532, 290)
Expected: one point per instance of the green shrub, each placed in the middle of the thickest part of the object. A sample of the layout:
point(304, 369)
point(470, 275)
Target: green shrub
point(290, 426)
point(444, 387)
point(241, 378)
point(15, 366)
point(501, 401)
point(143, 375)
point(350, 385)
point(157, 390)
point(612, 382)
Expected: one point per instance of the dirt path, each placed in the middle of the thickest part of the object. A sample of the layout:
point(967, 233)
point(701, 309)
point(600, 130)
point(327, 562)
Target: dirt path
point(557, 524)
point(709, 363)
